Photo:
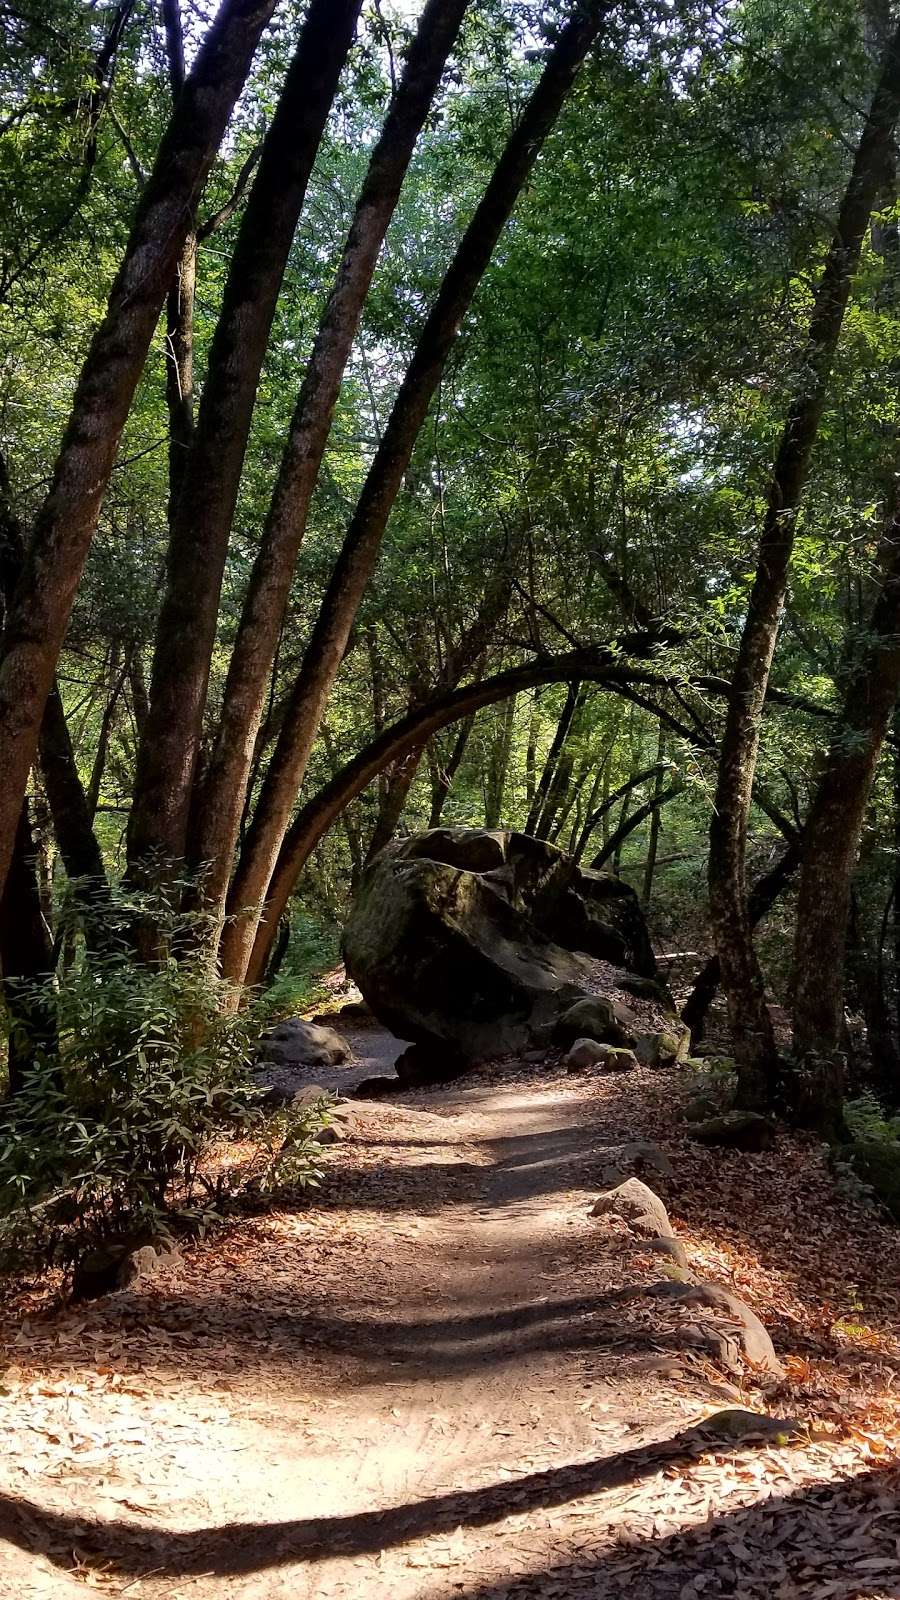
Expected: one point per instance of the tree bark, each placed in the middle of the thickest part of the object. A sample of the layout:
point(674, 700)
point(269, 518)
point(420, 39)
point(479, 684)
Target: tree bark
point(207, 483)
point(65, 523)
point(752, 1034)
point(834, 826)
point(653, 842)
point(557, 745)
point(445, 771)
point(219, 798)
point(498, 766)
point(359, 554)
point(26, 960)
point(763, 895)
point(70, 810)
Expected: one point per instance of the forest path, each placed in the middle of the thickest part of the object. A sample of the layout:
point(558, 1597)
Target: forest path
point(428, 1384)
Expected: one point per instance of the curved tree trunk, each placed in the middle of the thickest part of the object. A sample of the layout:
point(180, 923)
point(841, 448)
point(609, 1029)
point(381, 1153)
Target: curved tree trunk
point(359, 554)
point(751, 1027)
point(65, 522)
point(206, 486)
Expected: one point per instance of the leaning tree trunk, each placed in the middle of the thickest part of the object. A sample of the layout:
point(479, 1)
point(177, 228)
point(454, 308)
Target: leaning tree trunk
point(207, 485)
point(220, 797)
point(444, 771)
point(70, 809)
point(751, 1026)
point(65, 523)
point(359, 554)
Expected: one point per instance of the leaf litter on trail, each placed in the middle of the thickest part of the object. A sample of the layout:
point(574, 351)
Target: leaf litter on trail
point(255, 1334)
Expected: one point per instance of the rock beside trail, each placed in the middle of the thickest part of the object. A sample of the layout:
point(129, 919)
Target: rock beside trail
point(637, 1205)
point(665, 1048)
point(587, 1053)
point(298, 1043)
point(667, 1244)
point(604, 1020)
point(584, 1054)
point(117, 1266)
point(741, 1325)
point(735, 1130)
point(473, 944)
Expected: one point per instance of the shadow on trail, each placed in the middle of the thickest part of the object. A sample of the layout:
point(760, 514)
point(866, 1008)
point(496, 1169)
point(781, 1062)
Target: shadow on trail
point(129, 1550)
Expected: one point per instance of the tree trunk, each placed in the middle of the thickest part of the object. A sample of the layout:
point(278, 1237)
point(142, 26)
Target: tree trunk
point(610, 800)
point(763, 895)
point(752, 1034)
point(220, 796)
point(653, 842)
point(180, 370)
point(209, 479)
point(70, 810)
point(65, 523)
point(359, 555)
point(834, 826)
point(557, 745)
point(26, 960)
point(498, 766)
point(445, 772)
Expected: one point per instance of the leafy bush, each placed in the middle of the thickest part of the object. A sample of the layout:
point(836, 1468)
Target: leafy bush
point(867, 1121)
point(107, 1139)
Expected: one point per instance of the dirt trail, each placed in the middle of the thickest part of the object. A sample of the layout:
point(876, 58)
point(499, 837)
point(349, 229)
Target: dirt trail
point(430, 1385)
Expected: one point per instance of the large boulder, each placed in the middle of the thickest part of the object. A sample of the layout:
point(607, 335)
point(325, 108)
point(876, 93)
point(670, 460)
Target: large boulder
point(474, 943)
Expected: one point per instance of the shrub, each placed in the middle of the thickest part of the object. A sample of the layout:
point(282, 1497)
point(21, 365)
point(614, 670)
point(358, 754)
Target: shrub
point(107, 1139)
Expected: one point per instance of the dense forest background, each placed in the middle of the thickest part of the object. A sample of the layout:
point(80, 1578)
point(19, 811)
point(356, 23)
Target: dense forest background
point(475, 414)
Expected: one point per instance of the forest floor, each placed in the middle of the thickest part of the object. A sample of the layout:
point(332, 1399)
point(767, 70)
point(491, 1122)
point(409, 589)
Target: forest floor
point(434, 1378)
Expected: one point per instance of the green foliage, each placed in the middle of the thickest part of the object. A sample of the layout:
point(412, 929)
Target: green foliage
point(113, 1138)
point(867, 1120)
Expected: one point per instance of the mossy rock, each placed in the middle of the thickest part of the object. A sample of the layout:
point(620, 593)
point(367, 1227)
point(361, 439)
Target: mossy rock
point(878, 1163)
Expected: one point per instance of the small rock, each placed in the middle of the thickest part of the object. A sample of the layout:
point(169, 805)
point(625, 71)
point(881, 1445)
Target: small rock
point(736, 1130)
point(299, 1043)
point(665, 1048)
point(667, 1245)
point(598, 1018)
point(647, 989)
point(742, 1323)
point(111, 1267)
point(638, 1157)
point(584, 1054)
point(534, 1056)
point(736, 1423)
point(618, 1059)
point(308, 1095)
point(332, 1133)
point(637, 1205)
